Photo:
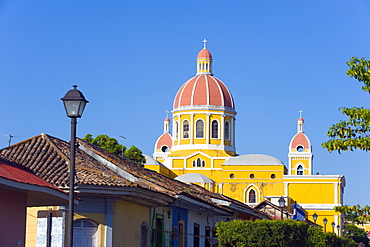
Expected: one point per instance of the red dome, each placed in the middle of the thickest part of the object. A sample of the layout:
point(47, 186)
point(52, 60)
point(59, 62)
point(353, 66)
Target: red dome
point(300, 139)
point(203, 90)
point(204, 53)
point(164, 140)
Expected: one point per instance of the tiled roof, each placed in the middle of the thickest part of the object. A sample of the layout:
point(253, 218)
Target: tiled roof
point(48, 158)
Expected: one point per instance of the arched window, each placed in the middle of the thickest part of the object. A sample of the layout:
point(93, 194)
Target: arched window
point(252, 196)
point(144, 235)
point(214, 129)
point(85, 233)
point(227, 130)
point(199, 163)
point(185, 129)
point(300, 170)
point(199, 129)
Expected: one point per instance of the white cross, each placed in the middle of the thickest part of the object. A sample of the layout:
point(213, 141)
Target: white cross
point(166, 113)
point(300, 113)
point(205, 43)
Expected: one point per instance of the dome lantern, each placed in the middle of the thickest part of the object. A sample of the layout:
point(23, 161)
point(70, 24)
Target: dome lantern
point(204, 61)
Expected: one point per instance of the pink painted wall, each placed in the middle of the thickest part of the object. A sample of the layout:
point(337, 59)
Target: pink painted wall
point(12, 218)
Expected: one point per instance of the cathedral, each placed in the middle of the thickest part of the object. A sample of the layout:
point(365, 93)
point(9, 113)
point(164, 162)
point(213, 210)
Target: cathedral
point(198, 146)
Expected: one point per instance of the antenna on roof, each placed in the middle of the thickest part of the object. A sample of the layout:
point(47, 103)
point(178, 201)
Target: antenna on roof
point(123, 138)
point(10, 139)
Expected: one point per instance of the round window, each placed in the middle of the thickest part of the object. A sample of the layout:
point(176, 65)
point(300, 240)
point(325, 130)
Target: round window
point(164, 149)
point(251, 176)
point(300, 148)
point(273, 176)
point(232, 175)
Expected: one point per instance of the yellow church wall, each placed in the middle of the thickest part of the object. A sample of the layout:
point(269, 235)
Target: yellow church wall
point(217, 163)
point(330, 215)
point(313, 193)
point(127, 222)
point(305, 164)
point(238, 189)
point(178, 163)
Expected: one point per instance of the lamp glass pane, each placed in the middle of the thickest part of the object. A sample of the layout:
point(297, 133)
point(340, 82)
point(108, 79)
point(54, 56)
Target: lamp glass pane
point(72, 108)
point(81, 108)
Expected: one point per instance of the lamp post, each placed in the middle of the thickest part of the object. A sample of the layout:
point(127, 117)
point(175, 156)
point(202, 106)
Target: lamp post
point(338, 229)
point(282, 204)
point(332, 226)
point(74, 104)
point(315, 216)
point(325, 220)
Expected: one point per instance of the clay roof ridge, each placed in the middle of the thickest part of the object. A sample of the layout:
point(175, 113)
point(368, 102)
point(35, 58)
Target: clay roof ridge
point(47, 138)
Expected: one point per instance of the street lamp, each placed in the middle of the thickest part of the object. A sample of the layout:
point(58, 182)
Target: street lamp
point(74, 104)
point(282, 204)
point(325, 220)
point(332, 226)
point(315, 216)
point(338, 229)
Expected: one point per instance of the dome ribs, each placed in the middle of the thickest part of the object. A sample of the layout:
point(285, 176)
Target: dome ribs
point(204, 90)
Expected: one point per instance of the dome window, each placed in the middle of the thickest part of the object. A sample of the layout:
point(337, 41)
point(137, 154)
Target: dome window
point(214, 129)
point(185, 129)
point(199, 129)
point(227, 130)
point(177, 130)
point(300, 148)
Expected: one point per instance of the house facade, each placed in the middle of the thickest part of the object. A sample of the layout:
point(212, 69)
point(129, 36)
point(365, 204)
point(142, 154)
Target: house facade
point(119, 202)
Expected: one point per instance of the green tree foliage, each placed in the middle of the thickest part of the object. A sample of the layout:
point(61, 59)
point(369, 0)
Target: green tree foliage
point(135, 154)
point(111, 145)
point(353, 133)
point(276, 233)
point(355, 214)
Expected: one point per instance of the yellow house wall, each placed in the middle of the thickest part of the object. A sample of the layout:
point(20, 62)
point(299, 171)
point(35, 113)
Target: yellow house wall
point(31, 224)
point(127, 222)
point(99, 219)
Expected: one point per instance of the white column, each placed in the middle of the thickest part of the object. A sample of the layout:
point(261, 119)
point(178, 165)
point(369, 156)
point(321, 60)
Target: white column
point(208, 128)
point(222, 129)
point(192, 129)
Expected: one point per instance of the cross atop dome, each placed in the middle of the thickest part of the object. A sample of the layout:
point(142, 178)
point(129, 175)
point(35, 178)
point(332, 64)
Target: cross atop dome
point(300, 113)
point(205, 44)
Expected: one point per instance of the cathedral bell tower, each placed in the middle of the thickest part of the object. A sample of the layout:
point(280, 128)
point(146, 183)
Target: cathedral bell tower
point(300, 151)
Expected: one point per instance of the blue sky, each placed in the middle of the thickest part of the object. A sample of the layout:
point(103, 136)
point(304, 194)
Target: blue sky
point(129, 58)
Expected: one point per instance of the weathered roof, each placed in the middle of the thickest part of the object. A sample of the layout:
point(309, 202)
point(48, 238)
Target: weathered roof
point(48, 158)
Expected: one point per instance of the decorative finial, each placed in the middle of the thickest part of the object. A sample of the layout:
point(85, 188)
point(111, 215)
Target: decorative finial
point(300, 113)
point(205, 44)
point(166, 113)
